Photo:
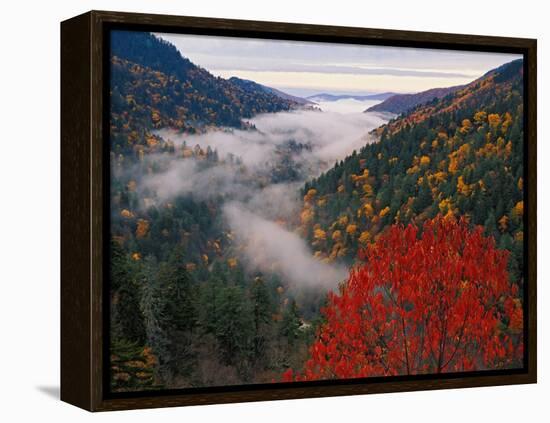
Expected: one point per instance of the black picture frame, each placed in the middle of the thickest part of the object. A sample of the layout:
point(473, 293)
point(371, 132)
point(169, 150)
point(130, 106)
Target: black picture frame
point(85, 200)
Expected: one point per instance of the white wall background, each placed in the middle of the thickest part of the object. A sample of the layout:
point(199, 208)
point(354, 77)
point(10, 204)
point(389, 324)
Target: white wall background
point(29, 210)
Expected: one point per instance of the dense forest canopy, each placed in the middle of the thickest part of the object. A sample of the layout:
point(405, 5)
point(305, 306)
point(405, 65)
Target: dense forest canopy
point(461, 155)
point(187, 308)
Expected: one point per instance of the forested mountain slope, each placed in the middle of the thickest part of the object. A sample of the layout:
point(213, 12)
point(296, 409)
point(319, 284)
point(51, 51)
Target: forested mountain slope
point(461, 155)
point(154, 86)
point(400, 103)
point(184, 310)
point(251, 85)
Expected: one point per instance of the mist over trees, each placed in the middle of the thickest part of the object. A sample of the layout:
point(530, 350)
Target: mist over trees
point(234, 212)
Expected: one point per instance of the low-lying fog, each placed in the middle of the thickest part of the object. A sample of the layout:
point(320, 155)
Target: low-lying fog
point(347, 105)
point(285, 149)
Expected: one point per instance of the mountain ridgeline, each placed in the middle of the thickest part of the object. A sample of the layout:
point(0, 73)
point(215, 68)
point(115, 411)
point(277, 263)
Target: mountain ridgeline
point(185, 311)
point(401, 103)
point(336, 97)
point(186, 308)
point(247, 84)
point(461, 155)
point(154, 86)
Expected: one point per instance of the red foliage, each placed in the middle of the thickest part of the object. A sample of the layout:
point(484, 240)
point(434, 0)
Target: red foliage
point(430, 301)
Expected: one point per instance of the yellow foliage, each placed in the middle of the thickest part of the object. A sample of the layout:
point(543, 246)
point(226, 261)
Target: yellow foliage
point(136, 256)
point(232, 262)
point(126, 213)
point(351, 229)
point(365, 237)
point(319, 234)
point(205, 258)
point(450, 215)
point(508, 149)
point(517, 211)
point(438, 177)
point(152, 141)
point(310, 195)
point(367, 189)
point(520, 183)
point(142, 228)
point(424, 161)
point(494, 119)
point(306, 216)
point(482, 185)
point(360, 179)
point(367, 208)
point(462, 187)
point(480, 117)
point(519, 236)
point(384, 211)
point(337, 235)
point(445, 205)
point(341, 188)
point(155, 116)
point(343, 220)
point(413, 169)
point(457, 157)
point(503, 223)
point(507, 122)
point(318, 255)
point(466, 126)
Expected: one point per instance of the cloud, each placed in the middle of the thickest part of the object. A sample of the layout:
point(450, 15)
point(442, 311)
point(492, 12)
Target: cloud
point(268, 246)
point(331, 135)
point(338, 67)
point(262, 188)
point(184, 177)
point(348, 70)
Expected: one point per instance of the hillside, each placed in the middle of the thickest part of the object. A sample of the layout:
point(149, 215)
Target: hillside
point(185, 310)
point(461, 155)
point(400, 103)
point(154, 86)
point(247, 84)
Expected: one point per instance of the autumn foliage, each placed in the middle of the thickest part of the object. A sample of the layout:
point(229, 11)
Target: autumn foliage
point(433, 300)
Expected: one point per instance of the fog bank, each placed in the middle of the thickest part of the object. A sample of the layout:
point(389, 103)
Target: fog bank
point(268, 247)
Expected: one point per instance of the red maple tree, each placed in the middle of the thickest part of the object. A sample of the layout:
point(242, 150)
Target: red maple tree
point(430, 301)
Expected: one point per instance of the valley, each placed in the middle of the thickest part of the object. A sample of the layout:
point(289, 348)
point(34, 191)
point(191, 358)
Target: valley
point(239, 214)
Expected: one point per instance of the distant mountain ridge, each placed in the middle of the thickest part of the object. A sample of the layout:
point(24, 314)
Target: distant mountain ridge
point(336, 97)
point(483, 90)
point(195, 89)
point(459, 155)
point(401, 103)
point(247, 84)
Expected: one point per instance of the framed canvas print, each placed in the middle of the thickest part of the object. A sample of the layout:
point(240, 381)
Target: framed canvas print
point(257, 210)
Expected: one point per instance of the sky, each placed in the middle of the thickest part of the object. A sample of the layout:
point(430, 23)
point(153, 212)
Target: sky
point(307, 68)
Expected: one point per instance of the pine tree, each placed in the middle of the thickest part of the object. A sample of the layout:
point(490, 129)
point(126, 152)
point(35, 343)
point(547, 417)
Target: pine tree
point(261, 306)
point(127, 318)
point(290, 323)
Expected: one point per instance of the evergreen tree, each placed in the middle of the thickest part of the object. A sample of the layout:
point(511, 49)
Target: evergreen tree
point(261, 307)
point(127, 318)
